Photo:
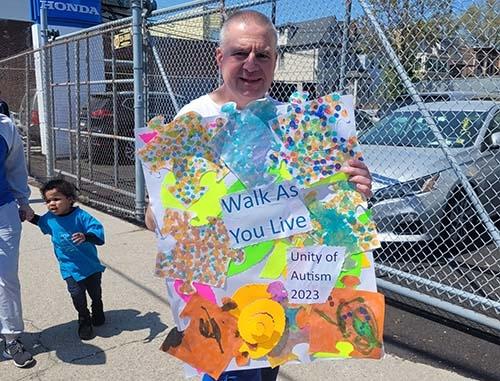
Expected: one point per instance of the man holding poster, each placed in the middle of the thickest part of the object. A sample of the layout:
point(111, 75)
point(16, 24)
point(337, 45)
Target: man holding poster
point(247, 58)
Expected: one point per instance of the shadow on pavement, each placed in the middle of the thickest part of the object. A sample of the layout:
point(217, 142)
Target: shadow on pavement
point(118, 321)
point(64, 342)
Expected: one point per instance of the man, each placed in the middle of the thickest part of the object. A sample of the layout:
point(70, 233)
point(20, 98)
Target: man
point(246, 57)
point(14, 208)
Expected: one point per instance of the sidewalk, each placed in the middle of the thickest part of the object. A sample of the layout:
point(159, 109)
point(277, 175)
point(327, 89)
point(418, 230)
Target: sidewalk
point(138, 319)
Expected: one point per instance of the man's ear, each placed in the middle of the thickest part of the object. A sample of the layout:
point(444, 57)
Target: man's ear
point(218, 55)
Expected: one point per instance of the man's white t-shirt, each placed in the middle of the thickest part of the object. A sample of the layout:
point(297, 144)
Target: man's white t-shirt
point(204, 105)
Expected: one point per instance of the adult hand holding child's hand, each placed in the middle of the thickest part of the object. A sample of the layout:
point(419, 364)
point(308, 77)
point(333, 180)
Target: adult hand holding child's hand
point(26, 213)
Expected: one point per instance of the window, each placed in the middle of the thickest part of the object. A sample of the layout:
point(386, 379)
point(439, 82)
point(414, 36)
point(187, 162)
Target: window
point(409, 129)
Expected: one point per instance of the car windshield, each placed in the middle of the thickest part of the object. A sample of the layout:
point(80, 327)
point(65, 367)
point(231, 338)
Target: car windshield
point(409, 129)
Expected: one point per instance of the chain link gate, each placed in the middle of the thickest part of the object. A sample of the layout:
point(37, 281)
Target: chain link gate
point(90, 111)
point(93, 111)
point(426, 80)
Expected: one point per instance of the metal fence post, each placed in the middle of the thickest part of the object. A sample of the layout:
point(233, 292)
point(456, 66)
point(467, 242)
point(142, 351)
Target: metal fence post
point(115, 108)
point(27, 107)
point(78, 145)
point(49, 155)
point(137, 41)
point(70, 110)
point(345, 45)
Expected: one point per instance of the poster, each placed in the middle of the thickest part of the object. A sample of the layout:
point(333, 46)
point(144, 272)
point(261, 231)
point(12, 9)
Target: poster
point(264, 245)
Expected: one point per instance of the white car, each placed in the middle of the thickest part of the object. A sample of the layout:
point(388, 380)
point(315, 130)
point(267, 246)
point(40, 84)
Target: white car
point(417, 195)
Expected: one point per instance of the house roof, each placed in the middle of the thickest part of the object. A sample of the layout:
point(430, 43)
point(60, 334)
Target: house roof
point(322, 31)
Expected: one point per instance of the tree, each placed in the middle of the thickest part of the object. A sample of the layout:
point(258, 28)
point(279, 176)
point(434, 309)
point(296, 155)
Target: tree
point(412, 27)
point(482, 23)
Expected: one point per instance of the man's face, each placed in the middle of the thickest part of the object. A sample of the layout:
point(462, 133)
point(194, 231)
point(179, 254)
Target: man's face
point(247, 60)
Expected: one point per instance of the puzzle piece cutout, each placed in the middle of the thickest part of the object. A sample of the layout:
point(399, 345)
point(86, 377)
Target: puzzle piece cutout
point(342, 220)
point(200, 254)
point(206, 206)
point(210, 340)
point(352, 316)
point(317, 137)
point(190, 187)
point(185, 136)
point(244, 142)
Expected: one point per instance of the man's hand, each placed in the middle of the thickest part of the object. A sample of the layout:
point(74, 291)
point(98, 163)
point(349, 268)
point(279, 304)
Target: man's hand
point(78, 238)
point(26, 213)
point(360, 176)
point(149, 219)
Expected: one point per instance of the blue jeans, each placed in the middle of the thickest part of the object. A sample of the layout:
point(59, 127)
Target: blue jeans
point(264, 374)
point(78, 290)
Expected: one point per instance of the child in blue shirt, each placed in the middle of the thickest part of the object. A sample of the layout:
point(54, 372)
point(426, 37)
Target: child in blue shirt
point(75, 234)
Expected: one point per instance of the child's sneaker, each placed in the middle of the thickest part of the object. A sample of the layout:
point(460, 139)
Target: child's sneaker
point(15, 351)
point(85, 330)
point(98, 317)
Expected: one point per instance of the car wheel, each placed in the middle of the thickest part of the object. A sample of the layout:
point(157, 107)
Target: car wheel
point(462, 230)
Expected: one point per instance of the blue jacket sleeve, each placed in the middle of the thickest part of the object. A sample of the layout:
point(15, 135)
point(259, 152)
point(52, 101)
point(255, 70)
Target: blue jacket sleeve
point(43, 225)
point(93, 228)
point(15, 165)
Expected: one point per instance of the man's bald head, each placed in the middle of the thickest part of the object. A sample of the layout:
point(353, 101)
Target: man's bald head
point(248, 16)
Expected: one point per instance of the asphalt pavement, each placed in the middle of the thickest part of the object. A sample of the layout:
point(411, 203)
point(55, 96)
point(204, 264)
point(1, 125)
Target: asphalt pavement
point(139, 317)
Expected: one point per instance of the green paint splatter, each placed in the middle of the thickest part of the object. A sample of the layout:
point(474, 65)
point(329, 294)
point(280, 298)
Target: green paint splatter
point(253, 255)
point(337, 177)
point(236, 187)
point(281, 173)
point(276, 263)
point(344, 347)
point(365, 217)
point(207, 206)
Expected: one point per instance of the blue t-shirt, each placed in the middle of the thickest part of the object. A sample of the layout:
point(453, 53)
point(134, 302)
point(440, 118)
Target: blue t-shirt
point(77, 261)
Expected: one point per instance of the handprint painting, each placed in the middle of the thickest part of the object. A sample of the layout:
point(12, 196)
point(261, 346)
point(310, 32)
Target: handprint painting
point(264, 245)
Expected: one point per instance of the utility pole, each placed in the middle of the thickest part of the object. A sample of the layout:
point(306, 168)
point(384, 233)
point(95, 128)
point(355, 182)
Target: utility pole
point(138, 59)
point(45, 71)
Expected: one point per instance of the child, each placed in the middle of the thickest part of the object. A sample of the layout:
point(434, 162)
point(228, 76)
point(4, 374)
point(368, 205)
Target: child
point(75, 234)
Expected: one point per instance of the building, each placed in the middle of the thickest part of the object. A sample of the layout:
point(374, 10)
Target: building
point(455, 58)
point(310, 58)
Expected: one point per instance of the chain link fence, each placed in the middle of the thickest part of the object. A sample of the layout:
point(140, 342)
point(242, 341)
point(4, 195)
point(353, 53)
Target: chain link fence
point(88, 77)
point(425, 76)
point(432, 142)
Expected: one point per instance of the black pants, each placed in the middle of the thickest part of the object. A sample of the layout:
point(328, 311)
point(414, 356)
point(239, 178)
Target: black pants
point(263, 374)
point(77, 290)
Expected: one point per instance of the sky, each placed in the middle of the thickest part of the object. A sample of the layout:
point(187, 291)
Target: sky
point(285, 8)
point(289, 8)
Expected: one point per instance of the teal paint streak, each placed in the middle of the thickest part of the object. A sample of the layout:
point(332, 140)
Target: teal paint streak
point(335, 231)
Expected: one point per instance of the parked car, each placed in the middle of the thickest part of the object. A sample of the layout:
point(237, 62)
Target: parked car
point(29, 125)
point(417, 195)
point(365, 119)
point(438, 96)
point(97, 125)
